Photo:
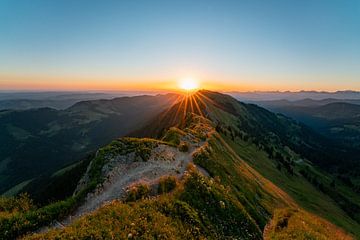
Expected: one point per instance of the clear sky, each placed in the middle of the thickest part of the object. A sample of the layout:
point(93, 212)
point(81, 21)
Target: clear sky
point(134, 44)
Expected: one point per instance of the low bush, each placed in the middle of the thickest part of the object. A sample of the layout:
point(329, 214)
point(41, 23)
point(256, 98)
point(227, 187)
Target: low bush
point(20, 223)
point(183, 147)
point(173, 136)
point(167, 184)
point(139, 191)
point(22, 203)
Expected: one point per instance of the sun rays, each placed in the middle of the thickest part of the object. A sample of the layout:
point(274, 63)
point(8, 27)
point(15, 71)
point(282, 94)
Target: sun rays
point(196, 103)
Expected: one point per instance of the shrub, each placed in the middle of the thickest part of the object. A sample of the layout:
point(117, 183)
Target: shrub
point(167, 184)
point(139, 191)
point(22, 203)
point(173, 136)
point(183, 147)
point(15, 225)
point(143, 152)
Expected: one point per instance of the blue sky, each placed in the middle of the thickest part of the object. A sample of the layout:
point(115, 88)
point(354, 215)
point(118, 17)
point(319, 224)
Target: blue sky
point(239, 44)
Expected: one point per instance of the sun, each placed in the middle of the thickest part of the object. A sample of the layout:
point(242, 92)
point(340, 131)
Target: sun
point(188, 84)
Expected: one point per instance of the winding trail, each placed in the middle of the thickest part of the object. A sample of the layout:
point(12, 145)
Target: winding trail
point(125, 171)
point(164, 160)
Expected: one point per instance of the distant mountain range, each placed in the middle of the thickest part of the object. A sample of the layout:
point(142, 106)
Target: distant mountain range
point(39, 141)
point(307, 102)
point(63, 100)
point(292, 96)
point(56, 100)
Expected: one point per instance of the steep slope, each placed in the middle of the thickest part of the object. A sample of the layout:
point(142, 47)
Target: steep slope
point(265, 128)
point(279, 148)
point(296, 224)
point(41, 141)
point(337, 120)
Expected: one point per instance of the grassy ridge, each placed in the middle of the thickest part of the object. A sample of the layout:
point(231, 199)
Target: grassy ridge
point(199, 208)
point(303, 192)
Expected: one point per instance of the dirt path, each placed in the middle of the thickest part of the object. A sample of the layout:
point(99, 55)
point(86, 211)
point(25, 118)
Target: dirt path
point(164, 160)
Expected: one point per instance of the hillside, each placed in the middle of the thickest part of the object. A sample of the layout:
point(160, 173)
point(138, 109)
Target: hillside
point(41, 141)
point(343, 110)
point(210, 167)
point(306, 102)
point(295, 157)
point(338, 120)
point(57, 100)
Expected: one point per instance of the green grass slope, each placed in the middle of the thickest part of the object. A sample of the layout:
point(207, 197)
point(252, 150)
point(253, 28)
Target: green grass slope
point(268, 143)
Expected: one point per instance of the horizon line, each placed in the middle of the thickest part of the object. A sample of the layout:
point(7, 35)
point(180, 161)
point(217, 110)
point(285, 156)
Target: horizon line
point(170, 91)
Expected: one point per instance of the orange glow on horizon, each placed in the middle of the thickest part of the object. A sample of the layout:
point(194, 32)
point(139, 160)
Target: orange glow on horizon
point(51, 83)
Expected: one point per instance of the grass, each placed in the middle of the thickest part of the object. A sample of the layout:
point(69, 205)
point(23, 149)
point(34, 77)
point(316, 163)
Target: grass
point(256, 194)
point(303, 192)
point(173, 136)
point(183, 147)
point(138, 191)
point(16, 189)
point(167, 184)
point(297, 224)
point(199, 208)
point(65, 169)
point(119, 221)
point(297, 187)
point(21, 222)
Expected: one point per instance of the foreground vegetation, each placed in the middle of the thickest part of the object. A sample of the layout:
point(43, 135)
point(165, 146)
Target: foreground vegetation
point(297, 224)
point(200, 208)
point(19, 215)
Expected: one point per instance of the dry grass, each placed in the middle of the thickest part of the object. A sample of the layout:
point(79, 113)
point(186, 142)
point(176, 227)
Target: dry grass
point(290, 223)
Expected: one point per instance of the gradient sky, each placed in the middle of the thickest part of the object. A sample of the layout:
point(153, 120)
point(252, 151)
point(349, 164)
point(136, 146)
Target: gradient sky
point(232, 45)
